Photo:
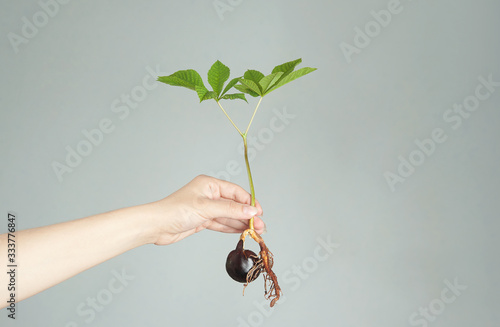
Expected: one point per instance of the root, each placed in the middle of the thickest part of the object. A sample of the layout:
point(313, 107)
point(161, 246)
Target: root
point(254, 272)
point(264, 264)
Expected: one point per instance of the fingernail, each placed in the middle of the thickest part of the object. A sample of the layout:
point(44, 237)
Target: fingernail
point(249, 210)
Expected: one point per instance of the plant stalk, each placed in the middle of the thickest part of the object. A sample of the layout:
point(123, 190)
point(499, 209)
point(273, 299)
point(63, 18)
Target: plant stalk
point(247, 162)
point(225, 113)
point(254, 112)
point(250, 180)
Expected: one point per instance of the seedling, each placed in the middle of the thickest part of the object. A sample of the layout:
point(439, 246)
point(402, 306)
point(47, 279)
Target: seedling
point(242, 265)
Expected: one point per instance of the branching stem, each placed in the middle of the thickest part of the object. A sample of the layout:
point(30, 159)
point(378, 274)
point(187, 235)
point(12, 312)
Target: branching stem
point(247, 162)
point(225, 113)
point(254, 112)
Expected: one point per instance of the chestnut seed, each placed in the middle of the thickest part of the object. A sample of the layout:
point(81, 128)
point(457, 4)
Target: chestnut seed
point(239, 262)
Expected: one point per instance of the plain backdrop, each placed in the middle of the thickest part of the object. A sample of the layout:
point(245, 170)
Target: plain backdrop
point(389, 152)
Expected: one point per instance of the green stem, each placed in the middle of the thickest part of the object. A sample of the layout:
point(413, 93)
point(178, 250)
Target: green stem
point(225, 113)
point(254, 112)
point(244, 136)
point(250, 180)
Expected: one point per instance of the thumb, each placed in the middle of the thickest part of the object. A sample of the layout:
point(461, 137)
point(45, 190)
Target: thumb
point(229, 209)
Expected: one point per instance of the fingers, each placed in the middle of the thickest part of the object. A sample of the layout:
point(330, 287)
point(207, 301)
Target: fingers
point(227, 205)
point(227, 208)
point(239, 224)
point(259, 225)
point(223, 228)
point(216, 189)
point(259, 208)
point(228, 225)
point(230, 191)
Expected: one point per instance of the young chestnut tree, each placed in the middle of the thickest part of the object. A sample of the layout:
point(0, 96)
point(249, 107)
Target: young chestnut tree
point(242, 265)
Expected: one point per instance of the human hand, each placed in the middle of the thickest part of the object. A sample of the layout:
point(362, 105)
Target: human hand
point(204, 203)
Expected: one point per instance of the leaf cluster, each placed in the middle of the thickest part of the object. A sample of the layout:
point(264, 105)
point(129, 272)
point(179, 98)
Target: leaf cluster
point(253, 82)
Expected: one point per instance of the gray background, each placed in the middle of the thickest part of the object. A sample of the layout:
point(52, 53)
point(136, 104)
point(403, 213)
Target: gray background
point(321, 176)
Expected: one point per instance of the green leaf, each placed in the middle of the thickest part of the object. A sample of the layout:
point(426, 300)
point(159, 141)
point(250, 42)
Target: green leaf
point(209, 95)
point(217, 75)
point(253, 75)
point(251, 85)
point(230, 85)
point(234, 96)
point(187, 78)
point(244, 89)
point(290, 77)
point(268, 81)
point(287, 67)
point(205, 94)
point(202, 91)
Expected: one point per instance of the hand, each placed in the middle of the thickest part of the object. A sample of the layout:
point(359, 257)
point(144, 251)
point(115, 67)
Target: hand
point(204, 203)
point(60, 251)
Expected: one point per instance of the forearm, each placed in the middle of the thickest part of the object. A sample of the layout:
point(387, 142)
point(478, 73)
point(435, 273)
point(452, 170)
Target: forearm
point(49, 255)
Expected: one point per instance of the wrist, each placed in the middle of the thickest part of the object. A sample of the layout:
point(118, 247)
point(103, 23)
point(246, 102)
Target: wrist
point(155, 220)
point(141, 221)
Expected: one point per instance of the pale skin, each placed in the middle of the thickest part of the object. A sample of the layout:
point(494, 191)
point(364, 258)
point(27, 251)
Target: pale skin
point(51, 254)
